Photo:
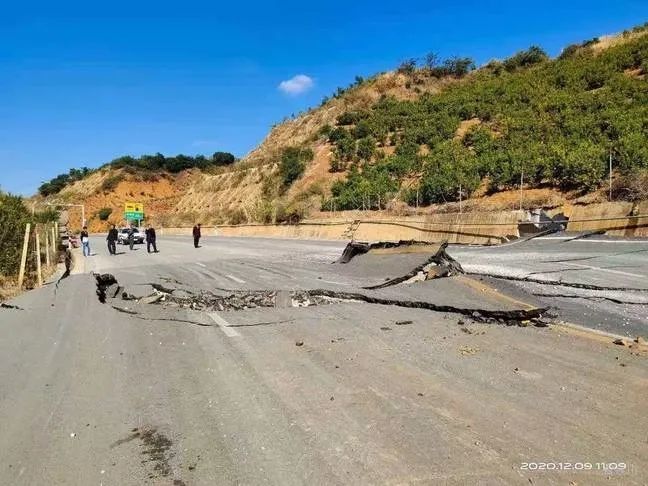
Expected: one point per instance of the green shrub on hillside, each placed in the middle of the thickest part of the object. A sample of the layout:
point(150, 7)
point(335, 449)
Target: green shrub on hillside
point(104, 213)
point(133, 165)
point(111, 182)
point(546, 121)
point(293, 163)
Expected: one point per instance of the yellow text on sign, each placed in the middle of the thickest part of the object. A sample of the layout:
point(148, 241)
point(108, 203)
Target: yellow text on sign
point(133, 207)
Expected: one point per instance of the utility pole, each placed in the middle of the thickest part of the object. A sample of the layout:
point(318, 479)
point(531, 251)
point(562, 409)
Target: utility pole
point(459, 198)
point(521, 182)
point(610, 198)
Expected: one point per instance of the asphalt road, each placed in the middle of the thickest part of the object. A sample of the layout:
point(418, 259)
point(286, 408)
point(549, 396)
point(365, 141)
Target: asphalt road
point(344, 392)
point(561, 268)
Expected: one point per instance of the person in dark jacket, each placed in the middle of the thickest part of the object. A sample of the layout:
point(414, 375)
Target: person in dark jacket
point(196, 235)
point(131, 236)
point(112, 237)
point(150, 239)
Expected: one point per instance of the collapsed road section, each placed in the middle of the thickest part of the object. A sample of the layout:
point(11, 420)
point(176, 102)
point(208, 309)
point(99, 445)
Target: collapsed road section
point(109, 290)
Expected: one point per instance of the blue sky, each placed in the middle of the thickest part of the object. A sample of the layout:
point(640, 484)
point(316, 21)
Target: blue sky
point(84, 82)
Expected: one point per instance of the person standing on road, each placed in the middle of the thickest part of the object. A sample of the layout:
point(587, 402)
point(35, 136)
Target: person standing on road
point(196, 235)
point(131, 236)
point(112, 240)
point(85, 241)
point(150, 239)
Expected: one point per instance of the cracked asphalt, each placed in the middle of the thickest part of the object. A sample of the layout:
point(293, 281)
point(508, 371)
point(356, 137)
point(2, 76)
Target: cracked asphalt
point(342, 392)
point(597, 282)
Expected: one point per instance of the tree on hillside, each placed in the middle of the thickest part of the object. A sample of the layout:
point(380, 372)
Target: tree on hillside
point(459, 66)
point(533, 55)
point(223, 158)
point(407, 67)
point(293, 163)
point(431, 60)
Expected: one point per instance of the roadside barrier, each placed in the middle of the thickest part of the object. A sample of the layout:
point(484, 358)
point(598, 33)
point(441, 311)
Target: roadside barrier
point(39, 255)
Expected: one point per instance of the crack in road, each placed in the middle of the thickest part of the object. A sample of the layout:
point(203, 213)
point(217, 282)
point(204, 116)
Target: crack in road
point(589, 297)
point(10, 306)
point(137, 315)
point(255, 324)
point(567, 260)
point(516, 315)
point(575, 285)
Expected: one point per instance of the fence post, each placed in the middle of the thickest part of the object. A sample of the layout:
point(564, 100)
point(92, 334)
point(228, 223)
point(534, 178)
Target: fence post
point(54, 245)
point(23, 257)
point(39, 273)
point(47, 248)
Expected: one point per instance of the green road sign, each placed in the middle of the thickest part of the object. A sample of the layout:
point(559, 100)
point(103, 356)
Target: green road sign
point(133, 216)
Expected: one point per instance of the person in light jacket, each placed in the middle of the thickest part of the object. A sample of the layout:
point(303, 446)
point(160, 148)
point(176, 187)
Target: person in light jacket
point(85, 241)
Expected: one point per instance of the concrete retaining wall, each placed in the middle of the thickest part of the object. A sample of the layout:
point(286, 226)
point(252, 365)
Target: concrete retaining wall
point(613, 217)
point(470, 228)
point(473, 228)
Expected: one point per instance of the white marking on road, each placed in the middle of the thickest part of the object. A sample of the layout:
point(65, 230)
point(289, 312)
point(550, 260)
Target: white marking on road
point(331, 281)
point(588, 240)
point(224, 325)
point(236, 279)
point(607, 270)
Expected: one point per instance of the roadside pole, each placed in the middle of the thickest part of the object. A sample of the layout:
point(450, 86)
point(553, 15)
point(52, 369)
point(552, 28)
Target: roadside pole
point(521, 182)
point(23, 257)
point(47, 248)
point(459, 198)
point(54, 245)
point(610, 198)
point(39, 273)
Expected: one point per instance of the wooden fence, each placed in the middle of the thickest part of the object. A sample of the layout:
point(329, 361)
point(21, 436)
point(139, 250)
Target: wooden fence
point(40, 253)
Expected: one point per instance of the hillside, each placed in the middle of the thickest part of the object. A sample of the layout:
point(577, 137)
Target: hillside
point(411, 139)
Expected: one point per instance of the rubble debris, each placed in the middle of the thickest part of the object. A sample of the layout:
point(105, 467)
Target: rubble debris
point(106, 285)
point(438, 265)
point(10, 306)
point(161, 288)
point(619, 342)
point(385, 328)
point(468, 350)
point(299, 343)
point(403, 323)
point(152, 299)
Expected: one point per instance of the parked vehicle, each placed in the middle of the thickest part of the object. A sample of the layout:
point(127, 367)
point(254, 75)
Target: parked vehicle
point(122, 238)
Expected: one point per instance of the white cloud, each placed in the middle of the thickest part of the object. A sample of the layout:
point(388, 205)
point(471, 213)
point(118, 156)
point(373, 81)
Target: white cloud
point(296, 85)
